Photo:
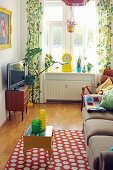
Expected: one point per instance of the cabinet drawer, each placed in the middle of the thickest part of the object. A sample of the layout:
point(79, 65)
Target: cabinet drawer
point(17, 100)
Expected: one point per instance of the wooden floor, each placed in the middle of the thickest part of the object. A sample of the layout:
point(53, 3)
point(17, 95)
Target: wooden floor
point(60, 115)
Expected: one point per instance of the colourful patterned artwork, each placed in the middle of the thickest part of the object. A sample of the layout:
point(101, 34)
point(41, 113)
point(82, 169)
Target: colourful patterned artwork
point(5, 28)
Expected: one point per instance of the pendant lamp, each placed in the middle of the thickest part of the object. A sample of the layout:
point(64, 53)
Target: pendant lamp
point(75, 2)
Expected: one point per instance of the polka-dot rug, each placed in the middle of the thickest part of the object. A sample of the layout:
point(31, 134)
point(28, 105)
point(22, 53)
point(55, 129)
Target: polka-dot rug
point(69, 152)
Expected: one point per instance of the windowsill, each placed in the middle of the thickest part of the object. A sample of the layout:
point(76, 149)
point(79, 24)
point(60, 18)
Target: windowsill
point(69, 73)
point(69, 76)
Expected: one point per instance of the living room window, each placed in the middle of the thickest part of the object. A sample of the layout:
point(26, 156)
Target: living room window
point(57, 40)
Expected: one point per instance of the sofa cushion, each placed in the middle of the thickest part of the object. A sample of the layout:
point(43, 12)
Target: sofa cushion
point(98, 144)
point(108, 115)
point(94, 127)
point(104, 78)
point(92, 102)
point(107, 100)
point(108, 72)
point(107, 83)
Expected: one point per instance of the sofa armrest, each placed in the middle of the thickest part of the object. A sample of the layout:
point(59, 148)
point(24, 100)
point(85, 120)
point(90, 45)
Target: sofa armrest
point(106, 160)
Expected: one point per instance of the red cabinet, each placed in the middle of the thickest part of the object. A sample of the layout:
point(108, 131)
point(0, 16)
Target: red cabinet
point(16, 100)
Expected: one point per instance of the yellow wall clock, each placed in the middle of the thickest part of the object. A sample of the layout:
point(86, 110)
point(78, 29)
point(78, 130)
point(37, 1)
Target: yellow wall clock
point(67, 66)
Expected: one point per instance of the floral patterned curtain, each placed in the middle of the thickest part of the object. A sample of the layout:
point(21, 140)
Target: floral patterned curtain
point(105, 18)
point(34, 14)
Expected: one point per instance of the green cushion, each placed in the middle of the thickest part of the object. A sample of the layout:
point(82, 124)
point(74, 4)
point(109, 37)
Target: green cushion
point(107, 100)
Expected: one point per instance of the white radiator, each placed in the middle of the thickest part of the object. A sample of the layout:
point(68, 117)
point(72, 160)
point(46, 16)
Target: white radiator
point(65, 90)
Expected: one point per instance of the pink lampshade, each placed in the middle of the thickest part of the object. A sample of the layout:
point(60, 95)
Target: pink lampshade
point(75, 2)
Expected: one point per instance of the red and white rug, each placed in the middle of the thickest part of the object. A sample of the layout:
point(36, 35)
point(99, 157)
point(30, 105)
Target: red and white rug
point(69, 152)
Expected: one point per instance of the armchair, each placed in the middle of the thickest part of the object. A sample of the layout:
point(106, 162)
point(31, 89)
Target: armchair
point(106, 74)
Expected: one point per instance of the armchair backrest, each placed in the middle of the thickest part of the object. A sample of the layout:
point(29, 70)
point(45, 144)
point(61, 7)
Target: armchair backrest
point(106, 74)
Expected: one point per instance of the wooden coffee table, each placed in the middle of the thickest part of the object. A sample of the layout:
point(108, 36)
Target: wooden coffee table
point(42, 140)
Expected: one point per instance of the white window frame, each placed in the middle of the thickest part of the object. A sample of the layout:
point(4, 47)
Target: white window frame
point(52, 24)
point(68, 38)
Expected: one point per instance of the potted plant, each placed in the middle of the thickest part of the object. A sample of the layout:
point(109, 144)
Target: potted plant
point(33, 73)
point(70, 25)
point(84, 69)
point(79, 65)
point(89, 67)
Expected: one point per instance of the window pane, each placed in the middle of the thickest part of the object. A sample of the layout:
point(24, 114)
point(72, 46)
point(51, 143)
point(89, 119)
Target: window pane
point(78, 36)
point(78, 42)
point(46, 41)
point(86, 14)
point(57, 43)
point(54, 13)
point(84, 35)
point(90, 36)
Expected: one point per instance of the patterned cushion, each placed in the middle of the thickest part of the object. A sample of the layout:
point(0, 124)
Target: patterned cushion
point(107, 83)
point(92, 102)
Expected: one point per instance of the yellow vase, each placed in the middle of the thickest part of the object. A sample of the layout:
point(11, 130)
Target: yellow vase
point(43, 118)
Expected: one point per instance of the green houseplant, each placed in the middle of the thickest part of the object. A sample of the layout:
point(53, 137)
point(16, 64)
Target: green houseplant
point(48, 61)
point(79, 63)
point(89, 67)
point(84, 69)
point(33, 72)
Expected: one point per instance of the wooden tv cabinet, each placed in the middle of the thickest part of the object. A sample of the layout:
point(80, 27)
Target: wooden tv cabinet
point(17, 100)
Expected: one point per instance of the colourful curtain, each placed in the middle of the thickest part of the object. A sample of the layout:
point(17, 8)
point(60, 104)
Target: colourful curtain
point(34, 13)
point(105, 18)
point(75, 2)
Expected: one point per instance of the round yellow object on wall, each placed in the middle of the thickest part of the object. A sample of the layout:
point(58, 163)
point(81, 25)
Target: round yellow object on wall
point(67, 66)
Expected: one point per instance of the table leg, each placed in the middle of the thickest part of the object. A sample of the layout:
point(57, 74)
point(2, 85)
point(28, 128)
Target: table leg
point(24, 152)
point(26, 109)
point(50, 152)
point(9, 115)
point(22, 116)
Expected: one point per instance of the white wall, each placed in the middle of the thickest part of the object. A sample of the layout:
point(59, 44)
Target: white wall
point(23, 28)
point(11, 54)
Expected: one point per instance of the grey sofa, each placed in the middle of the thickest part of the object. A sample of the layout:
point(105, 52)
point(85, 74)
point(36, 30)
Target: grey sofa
point(98, 133)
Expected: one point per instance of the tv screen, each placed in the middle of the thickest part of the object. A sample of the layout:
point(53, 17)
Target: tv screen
point(16, 74)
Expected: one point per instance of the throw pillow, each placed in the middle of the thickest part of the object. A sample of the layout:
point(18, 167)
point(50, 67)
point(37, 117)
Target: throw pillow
point(107, 88)
point(92, 102)
point(111, 79)
point(107, 83)
point(103, 78)
point(108, 72)
point(107, 100)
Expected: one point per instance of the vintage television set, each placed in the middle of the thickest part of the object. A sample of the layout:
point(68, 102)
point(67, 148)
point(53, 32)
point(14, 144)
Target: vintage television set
point(15, 75)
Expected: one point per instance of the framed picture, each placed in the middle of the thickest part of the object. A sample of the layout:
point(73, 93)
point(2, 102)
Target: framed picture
point(5, 28)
